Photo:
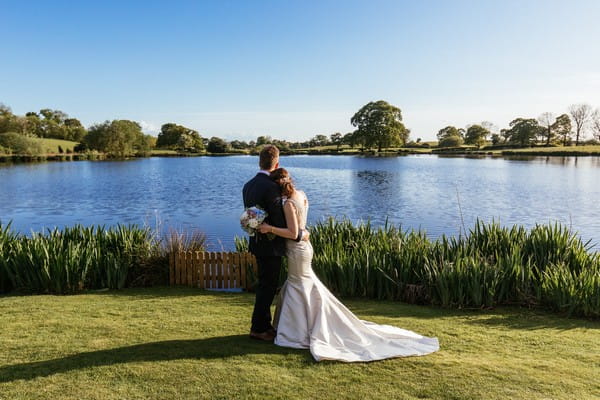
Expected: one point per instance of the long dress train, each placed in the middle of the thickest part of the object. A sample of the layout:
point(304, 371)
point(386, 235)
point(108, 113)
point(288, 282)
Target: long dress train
point(309, 316)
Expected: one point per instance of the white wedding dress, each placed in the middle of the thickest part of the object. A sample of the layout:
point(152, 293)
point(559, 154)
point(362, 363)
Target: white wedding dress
point(309, 316)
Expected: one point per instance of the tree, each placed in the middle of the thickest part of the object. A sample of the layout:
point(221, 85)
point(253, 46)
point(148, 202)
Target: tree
point(489, 126)
point(581, 114)
point(546, 120)
point(74, 130)
point(380, 124)
point(6, 117)
point(496, 138)
point(451, 141)
point(217, 145)
point(263, 140)
point(505, 135)
point(151, 141)
point(477, 135)
point(120, 138)
point(523, 131)
point(33, 125)
point(19, 144)
point(282, 145)
point(596, 124)
point(239, 145)
point(53, 124)
point(450, 136)
point(562, 128)
point(336, 139)
point(350, 139)
point(170, 137)
point(319, 140)
point(185, 141)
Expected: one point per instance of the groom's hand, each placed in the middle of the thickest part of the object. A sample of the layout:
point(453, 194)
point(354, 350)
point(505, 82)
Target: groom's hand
point(305, 235)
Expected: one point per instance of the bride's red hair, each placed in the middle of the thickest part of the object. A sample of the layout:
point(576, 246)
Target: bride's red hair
point(283, 179)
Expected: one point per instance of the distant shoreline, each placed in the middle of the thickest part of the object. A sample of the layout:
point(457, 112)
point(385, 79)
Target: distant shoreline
point(579, 151)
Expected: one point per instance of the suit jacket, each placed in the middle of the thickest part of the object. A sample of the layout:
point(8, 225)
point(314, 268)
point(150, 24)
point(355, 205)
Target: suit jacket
point(262, 191)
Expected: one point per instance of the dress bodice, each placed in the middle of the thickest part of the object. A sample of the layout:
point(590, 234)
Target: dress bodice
point(301, 210)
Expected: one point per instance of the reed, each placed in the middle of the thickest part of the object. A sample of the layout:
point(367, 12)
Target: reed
point(8, 241)
point(69, 260)
point(491, 265)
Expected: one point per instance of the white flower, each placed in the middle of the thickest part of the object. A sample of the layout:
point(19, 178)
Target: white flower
point(253, 223)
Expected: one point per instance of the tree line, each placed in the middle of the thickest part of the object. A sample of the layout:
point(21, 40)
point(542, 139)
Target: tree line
point(547, 129)
point(378, 125)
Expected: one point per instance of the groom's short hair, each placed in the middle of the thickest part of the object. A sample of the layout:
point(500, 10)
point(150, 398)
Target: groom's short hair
point(268, 157)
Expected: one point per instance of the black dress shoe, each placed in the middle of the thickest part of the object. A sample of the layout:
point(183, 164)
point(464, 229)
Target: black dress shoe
point(272, 331)
point(265, 336)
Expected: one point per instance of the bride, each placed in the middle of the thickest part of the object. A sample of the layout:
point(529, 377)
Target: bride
point(310, 317)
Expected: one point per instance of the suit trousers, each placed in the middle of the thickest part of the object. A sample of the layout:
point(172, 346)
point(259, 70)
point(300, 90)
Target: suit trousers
point(268, 279)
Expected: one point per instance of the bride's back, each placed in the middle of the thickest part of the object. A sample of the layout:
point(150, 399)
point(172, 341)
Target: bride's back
point(300, 202)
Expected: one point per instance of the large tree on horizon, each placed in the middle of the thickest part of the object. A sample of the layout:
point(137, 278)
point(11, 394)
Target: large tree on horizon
point(596, 124)
point(581, 115)
point(524, 131)
point(121, 138)
point(379, 124)
point(172, 135)
point(450, 136)
point(476, 134)
point(562, 128)
point(546, 120)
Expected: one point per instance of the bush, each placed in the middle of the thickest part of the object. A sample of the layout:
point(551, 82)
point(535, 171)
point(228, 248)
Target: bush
point(451, 141)
point(19, 144)
point(80, 148)
point(217, 145)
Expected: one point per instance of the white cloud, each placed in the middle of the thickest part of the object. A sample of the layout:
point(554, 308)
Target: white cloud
point(149, 128)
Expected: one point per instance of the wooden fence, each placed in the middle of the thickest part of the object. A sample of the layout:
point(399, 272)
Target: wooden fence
point(210, 270)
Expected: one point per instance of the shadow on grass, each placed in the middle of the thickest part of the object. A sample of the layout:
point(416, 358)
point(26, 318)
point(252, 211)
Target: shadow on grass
point(144, 293)
point(162, 291)
point(393, 309)
point(210, 348)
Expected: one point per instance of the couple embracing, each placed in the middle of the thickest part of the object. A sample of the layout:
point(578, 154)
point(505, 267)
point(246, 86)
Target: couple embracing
point(308, 316)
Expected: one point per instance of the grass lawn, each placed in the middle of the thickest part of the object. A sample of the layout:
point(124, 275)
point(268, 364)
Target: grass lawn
point(179, 343)
point(51, 145)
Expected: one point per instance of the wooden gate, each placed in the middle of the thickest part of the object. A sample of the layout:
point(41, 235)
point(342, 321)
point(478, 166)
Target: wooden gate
point(212, 270)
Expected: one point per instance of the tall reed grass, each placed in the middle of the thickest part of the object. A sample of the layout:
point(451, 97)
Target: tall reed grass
point(75, 258)
point(547, 266)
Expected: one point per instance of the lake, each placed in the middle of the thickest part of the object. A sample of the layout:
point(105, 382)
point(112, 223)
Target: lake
point(440, 195)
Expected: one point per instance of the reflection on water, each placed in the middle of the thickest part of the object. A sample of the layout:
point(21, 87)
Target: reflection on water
point(420, 192)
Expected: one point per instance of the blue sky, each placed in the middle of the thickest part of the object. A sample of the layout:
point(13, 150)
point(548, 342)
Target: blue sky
point(294, 69)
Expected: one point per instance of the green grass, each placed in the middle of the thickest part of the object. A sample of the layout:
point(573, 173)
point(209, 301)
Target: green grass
point(50, 146)
point(163, 152)
point(560, 150)
point(179, 343)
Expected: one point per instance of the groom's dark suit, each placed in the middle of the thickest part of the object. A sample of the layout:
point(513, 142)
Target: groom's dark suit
point(262, 191)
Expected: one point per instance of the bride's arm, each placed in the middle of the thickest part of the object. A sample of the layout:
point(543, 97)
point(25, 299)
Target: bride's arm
point(291, 232)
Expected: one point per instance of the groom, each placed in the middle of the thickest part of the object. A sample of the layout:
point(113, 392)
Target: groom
point(262, 191)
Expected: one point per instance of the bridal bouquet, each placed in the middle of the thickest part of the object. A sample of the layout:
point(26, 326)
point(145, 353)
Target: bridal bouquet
point(251, 219)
